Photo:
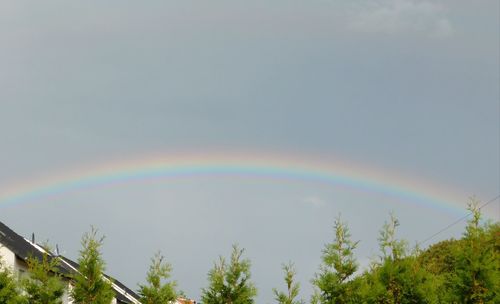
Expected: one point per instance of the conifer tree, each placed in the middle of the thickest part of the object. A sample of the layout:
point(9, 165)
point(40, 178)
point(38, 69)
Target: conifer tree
point(316, 296)
point(229, 283)
point(9, 288)
point(338, 267)
point(398, 277)
point(476, 278)
point(440, 258)
point(293, 287)
point(391, 248)
point(44, 284)
point(91, 287)
point(157, 291)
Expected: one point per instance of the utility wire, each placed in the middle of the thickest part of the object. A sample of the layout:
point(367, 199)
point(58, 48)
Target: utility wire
point(458, 221)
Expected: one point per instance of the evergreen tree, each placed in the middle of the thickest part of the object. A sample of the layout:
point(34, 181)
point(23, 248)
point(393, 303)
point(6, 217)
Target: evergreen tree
point(293, 288)
point(391, 248)
point(440, 258)
point(403, 281)
point(334, 281)
point(398, 278)
point(10, 292)
point(44, 284)
point(91, 287)
point(157, 291)
point(229, 283)
point(476, 278)
point(316, 296)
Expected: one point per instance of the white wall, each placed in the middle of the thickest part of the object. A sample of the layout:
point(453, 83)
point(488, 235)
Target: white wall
point(8, 258)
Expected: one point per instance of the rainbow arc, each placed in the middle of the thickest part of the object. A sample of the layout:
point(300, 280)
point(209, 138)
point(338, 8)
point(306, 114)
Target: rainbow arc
point(254, 166)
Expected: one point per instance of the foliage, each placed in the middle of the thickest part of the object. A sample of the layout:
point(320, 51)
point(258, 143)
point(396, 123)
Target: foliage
point(402, 281)
point(293, 288)
point(391, 248)
point(398, 277)
point(9, 287)
point(476, 278)
point(339, 265)
point(315, 297)
point(44, 284)
point(465, 271)
point(440, 258)
point(157, 291)
point(91, 287)
point(229, 283)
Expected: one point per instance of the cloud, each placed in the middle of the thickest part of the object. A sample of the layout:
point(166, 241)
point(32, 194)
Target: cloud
point(314, 201)
point(401, 16)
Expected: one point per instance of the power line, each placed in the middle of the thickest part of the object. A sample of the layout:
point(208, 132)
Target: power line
point(458, 221)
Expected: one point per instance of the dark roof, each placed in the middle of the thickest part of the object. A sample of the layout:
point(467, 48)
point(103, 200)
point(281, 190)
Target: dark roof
point(24, 249)
point(17, 243)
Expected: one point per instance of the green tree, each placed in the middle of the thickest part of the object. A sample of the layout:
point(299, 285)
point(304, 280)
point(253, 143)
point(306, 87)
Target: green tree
point(293, 287)
point(335, 279)
point(401, 282)
point(391, 248)
point(440, 258)
point(398, 278)
point(476, 278)
point(229, 283)
point(157, 291)
point(44, 284)
point(91, 287)
point(10, 292)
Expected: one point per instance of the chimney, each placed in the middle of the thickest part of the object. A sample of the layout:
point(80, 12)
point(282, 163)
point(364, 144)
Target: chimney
point(33, 238)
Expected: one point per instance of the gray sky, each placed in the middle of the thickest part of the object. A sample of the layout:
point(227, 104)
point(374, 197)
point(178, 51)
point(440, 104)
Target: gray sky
point(411, 87)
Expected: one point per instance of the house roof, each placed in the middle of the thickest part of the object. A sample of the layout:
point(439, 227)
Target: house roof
point(17, 244)
point(24, 249)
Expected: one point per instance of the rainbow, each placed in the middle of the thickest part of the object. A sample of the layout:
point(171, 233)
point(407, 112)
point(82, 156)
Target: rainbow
point(260, 166)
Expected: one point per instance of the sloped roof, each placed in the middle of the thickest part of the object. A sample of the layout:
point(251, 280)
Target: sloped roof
point(24, 249)
point(17, 244)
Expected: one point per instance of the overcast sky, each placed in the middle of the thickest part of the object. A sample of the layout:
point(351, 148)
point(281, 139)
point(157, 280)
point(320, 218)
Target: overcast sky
point(411, 87)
